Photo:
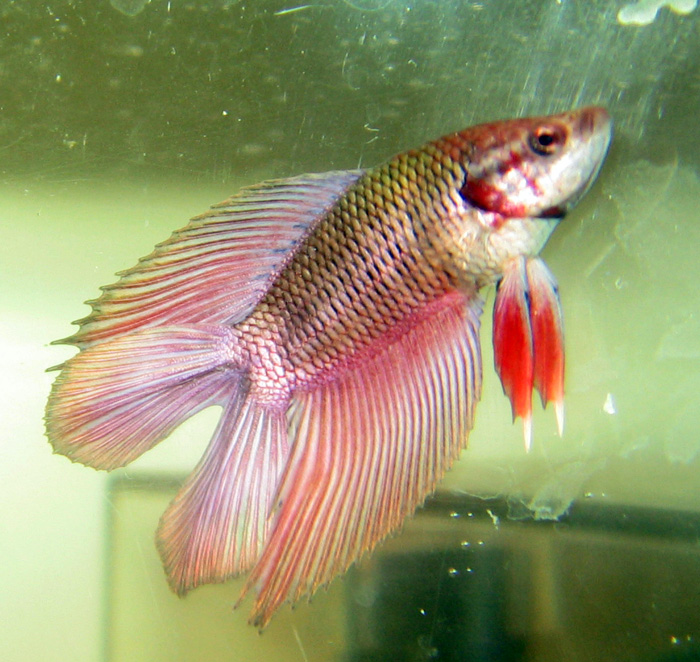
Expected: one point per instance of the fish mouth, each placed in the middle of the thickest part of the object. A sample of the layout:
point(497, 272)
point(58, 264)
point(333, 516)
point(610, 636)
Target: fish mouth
point(592, 130)
point(556, 212)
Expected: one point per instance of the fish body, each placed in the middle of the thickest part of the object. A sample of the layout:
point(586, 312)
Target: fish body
point(334, 318)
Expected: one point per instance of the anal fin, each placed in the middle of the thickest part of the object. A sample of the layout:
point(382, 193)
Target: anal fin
point(366, 450)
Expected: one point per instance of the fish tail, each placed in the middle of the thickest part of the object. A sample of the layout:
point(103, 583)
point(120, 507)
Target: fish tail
point(117, 399)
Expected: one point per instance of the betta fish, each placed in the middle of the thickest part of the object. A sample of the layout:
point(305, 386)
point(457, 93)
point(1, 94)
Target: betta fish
point(334, 319)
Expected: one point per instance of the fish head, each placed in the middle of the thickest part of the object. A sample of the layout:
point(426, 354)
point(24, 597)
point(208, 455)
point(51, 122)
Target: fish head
point(521, 177)
point(535, 167)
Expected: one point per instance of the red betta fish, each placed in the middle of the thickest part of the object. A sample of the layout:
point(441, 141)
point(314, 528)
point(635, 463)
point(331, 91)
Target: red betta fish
point(334, 318)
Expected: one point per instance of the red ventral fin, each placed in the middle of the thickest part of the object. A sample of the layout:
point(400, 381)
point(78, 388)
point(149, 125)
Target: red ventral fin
point(547, 336)
point(366, 450)
point(216, 268)
point(528, 339)
point(114, 401)
point(512, 342)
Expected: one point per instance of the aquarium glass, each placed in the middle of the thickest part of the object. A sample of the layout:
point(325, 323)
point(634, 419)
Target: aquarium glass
point(122, 119)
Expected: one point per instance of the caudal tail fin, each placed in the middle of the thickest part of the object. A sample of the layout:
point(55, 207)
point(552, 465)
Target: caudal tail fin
point(116, 399)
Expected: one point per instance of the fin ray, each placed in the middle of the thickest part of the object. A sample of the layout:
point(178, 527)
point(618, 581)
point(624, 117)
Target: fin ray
point(217, 524)
point(366, 451)
point(216, 268)
point(114, 401)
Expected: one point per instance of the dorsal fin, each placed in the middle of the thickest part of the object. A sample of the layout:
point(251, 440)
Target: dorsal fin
point(216, 268)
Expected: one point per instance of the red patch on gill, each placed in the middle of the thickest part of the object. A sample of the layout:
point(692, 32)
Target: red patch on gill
point(489, 198)
point(513, 162)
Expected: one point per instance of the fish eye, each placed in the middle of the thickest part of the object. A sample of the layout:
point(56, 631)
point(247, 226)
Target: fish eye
point(546, 140)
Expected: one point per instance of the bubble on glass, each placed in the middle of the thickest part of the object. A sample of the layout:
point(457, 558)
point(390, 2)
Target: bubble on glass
point(644, 11)
point(609, 405)
point(129, 7)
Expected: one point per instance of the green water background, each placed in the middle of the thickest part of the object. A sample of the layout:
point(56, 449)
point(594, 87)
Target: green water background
point(119, 121)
